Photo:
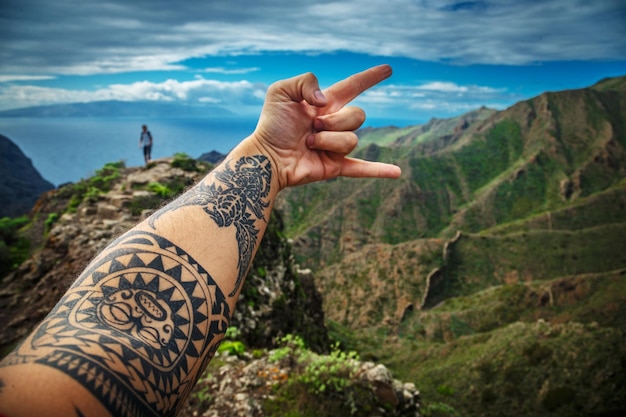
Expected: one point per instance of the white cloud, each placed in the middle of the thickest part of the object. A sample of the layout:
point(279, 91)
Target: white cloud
point(443, 86)
point(14, 77)
point(232, 95)
point(444, 97)
point(222, 70)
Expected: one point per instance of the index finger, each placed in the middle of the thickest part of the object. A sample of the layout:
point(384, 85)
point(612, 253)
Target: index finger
point(344, 91)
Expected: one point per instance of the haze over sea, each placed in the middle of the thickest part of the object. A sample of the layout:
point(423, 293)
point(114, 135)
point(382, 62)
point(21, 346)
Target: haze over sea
point(70, 149)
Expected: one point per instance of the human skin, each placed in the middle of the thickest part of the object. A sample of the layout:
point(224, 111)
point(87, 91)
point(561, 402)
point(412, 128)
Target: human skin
point(136, 329)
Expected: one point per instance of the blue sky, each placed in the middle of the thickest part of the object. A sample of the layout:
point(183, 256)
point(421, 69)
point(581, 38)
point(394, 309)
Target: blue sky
point(448, 57)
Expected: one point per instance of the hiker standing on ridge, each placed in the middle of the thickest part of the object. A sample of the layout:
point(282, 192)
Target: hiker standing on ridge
point(146, 139)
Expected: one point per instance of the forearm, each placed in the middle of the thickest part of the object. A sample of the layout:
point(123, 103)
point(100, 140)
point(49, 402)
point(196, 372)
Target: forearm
point(148, 313)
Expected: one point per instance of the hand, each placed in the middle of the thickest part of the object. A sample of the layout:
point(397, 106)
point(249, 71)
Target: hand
point(308, 133)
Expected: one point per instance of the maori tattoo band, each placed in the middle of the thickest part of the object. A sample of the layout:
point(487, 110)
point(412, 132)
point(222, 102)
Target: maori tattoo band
point(240, 200)
point(133, 327)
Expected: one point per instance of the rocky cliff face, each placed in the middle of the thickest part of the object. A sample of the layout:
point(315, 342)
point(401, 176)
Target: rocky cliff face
point(72, 224)
point(20, 183)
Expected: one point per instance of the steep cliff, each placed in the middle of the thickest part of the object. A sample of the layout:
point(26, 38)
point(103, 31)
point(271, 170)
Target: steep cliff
point(20, 183)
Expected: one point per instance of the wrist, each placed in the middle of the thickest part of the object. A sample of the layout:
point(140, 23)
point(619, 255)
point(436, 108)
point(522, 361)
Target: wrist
point(252, 146)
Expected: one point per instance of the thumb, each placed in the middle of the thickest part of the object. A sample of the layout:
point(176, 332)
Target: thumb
point(302, 87)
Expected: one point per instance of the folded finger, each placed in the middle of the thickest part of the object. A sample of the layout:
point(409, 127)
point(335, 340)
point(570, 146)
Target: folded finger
point(302, 87)
point(341, 143)
point(344, 91)
point(345, 119)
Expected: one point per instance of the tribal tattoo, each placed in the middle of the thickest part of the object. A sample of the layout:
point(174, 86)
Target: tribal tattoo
point(137, 328)
point(239, 199)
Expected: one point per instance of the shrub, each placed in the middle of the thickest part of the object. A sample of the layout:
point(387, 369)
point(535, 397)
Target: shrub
point(14, 248)
point(320, 373)
point(161, 190)
point(230, 344)
point(184, 162)
point(51, 220)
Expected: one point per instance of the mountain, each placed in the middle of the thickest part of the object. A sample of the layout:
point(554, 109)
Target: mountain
point(20, 183)
point(492, 273)
point(115, 108)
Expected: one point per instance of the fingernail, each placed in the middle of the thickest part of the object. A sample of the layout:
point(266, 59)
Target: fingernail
point(310, 141)
point(318, 125)
point(319, 95)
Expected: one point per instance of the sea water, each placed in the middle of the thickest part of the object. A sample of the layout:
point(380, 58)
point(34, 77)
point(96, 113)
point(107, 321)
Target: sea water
point(70, 149)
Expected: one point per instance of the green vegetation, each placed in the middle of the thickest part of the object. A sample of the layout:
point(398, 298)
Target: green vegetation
point(524, 314)
point(230, 343)
point(89, 189)
point(186, 163)
point(14, 248)
point(160, 190)
point(51, 220)
point(310, 389)
point(485, 158)
point(319, 373)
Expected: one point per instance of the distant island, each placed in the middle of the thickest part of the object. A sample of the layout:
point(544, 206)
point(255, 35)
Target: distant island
point(116, 108)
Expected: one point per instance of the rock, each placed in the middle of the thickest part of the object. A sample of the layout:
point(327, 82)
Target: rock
point(107, 211)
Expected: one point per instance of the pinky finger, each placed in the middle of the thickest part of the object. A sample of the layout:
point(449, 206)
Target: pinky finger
point(358, 168)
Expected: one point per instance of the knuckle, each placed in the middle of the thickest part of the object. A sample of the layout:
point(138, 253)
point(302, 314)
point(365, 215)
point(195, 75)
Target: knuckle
point(351, 141)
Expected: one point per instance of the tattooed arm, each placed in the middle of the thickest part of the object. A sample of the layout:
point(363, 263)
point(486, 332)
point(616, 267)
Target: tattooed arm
point(137, 328)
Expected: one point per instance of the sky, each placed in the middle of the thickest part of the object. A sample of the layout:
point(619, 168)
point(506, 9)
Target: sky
point(448, 57)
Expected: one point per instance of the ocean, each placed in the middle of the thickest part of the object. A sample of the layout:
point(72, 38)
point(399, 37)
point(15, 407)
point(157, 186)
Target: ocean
point(70, 149)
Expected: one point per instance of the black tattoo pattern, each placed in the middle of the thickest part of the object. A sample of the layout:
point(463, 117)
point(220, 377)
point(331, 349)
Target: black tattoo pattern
point(239, 200)
point(133, 327)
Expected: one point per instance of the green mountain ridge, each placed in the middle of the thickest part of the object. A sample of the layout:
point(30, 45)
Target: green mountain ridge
point(493, 273)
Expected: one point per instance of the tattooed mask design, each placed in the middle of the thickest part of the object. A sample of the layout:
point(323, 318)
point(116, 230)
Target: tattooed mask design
point(140, 313)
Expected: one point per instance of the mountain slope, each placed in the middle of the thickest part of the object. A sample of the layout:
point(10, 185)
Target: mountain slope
point(537, 156)
point(492, 274)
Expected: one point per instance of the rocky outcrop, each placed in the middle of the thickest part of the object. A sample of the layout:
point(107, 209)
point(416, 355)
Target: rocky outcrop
point(247, 387)
point(20, 183)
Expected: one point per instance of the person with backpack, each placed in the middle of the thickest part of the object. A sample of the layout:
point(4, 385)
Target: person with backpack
point(146, 139)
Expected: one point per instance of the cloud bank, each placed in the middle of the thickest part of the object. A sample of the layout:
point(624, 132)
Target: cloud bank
point(51, 50)
point(87, 37)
